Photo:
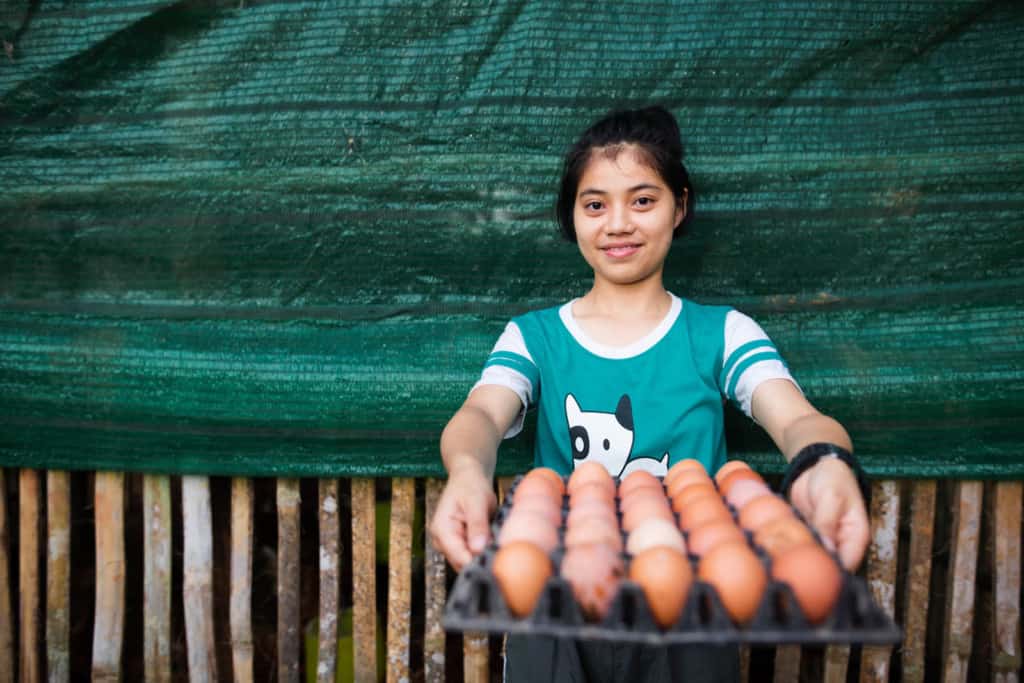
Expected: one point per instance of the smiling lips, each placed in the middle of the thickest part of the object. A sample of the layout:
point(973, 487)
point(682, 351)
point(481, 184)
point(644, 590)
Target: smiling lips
point(618, 251)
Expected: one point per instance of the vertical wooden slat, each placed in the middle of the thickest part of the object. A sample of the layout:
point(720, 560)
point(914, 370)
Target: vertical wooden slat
point(956, 648)
point(744, 663)
point(329, 563)
point(434, 577)
point(288, 580)
point(476, 661)
point(403, 502)
point(837, 660)
point(881, 571)
point(364, 580)
point(919, 571)
point(108, 632)
point(28, 573)
point(58, 584)
point(197, 579)
point(240, 616)
point(1006, 655)
point(787, 663)
point(156, 637)
point(7, 666)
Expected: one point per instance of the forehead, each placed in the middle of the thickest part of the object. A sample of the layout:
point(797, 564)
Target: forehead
point(617, 167)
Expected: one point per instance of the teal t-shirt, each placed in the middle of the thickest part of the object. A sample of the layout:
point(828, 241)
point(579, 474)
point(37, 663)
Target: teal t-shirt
point(645, 406)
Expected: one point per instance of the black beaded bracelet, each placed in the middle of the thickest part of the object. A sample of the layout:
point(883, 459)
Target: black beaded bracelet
point(810, 455)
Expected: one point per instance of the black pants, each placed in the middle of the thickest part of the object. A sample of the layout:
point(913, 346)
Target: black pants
point(533, 659)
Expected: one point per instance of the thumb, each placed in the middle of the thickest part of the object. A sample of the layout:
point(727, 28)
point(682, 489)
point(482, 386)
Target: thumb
point(826, 520)
point(478, 527)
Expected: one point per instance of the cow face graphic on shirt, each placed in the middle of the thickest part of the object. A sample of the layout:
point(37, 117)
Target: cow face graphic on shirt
point(607, 438)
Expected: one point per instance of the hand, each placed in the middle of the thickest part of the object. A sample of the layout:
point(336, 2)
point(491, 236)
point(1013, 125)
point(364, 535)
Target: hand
point(460, 527)
point(828, 497)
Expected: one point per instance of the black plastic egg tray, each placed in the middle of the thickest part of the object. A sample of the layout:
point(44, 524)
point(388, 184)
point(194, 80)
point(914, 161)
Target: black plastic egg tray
point(476, 604)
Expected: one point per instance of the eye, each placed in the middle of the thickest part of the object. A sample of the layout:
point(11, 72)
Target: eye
point(644, 202)
point(593, 205)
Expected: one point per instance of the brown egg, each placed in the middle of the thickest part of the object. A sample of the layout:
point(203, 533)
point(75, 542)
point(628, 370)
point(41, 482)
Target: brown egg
point(594, 530)
point(728, 467)
point(684, 466)
point(645, 509)
point(641, 493)
point(738, 576)
point(591, 508)
point(685, 479)
point(707, 536)
point(665, 576)
point(521, 570)
point(529, 526)
point(692, 493)
point(541, 505)
point(782, 533)
point(729, 480)
point(814, 577)
point(589, 472)
point(594, 572)
point(655, 532)
point(591, 491)
point(703, 511)
point(742, 492)
point(638, 479)
point(536, 486)
point(550, 475)
point(762, 510)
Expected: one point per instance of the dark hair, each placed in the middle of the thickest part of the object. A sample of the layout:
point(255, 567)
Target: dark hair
point(654, 132)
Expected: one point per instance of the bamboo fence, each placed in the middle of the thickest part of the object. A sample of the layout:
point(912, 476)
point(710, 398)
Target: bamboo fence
point(944, 560)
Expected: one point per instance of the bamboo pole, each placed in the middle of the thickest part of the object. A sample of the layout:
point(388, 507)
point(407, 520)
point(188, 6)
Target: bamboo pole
point(240, 609)
point(364, 580)
point(156, 540)
point(58, 582)
point(837, 659)
point(434, 578)
point(28, 573)
point(403, 502)
point(956, 647)
point(916, 587)
point(7, 666)
point(330, 561)
point(881, 571)
point(745, 663)
point(787, 663)
point(108, 632)
point(197, 580)
point(288, 580)
point(1006, 655)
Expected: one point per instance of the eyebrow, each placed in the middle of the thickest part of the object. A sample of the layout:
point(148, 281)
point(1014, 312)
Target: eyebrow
point(635, 188)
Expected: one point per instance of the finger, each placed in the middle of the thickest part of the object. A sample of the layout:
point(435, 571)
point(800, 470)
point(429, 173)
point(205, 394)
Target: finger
point(478, 527)
point(825, 518)
point(854, 535)
point(446, 537)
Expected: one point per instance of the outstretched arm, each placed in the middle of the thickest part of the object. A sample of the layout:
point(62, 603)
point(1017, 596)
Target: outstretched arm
point(460, 527)
point(827, 494)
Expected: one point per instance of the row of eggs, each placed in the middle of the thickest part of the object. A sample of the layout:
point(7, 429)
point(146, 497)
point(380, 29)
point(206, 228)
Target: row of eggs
point(676, 531)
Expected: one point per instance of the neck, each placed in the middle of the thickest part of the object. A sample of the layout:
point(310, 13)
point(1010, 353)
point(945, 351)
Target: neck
point(637, 300)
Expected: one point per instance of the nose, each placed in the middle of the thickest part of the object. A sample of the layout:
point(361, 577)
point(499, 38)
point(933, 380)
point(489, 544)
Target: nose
point(619, 221)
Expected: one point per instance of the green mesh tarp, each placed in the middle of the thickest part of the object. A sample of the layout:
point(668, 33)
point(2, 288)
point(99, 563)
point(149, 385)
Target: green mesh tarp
point(281, 237)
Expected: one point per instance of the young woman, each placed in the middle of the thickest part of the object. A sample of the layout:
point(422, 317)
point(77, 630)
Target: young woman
point(632, 376)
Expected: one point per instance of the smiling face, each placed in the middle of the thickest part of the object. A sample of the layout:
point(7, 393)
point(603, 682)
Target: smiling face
point(624, 216)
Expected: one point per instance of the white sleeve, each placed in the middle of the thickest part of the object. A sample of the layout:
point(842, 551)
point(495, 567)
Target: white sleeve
point(510, 365)
point(749, 358)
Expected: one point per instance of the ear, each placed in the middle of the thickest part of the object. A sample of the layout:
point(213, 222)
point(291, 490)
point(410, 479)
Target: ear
point(572, 409)
point(624, 412)
point(682, 206)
